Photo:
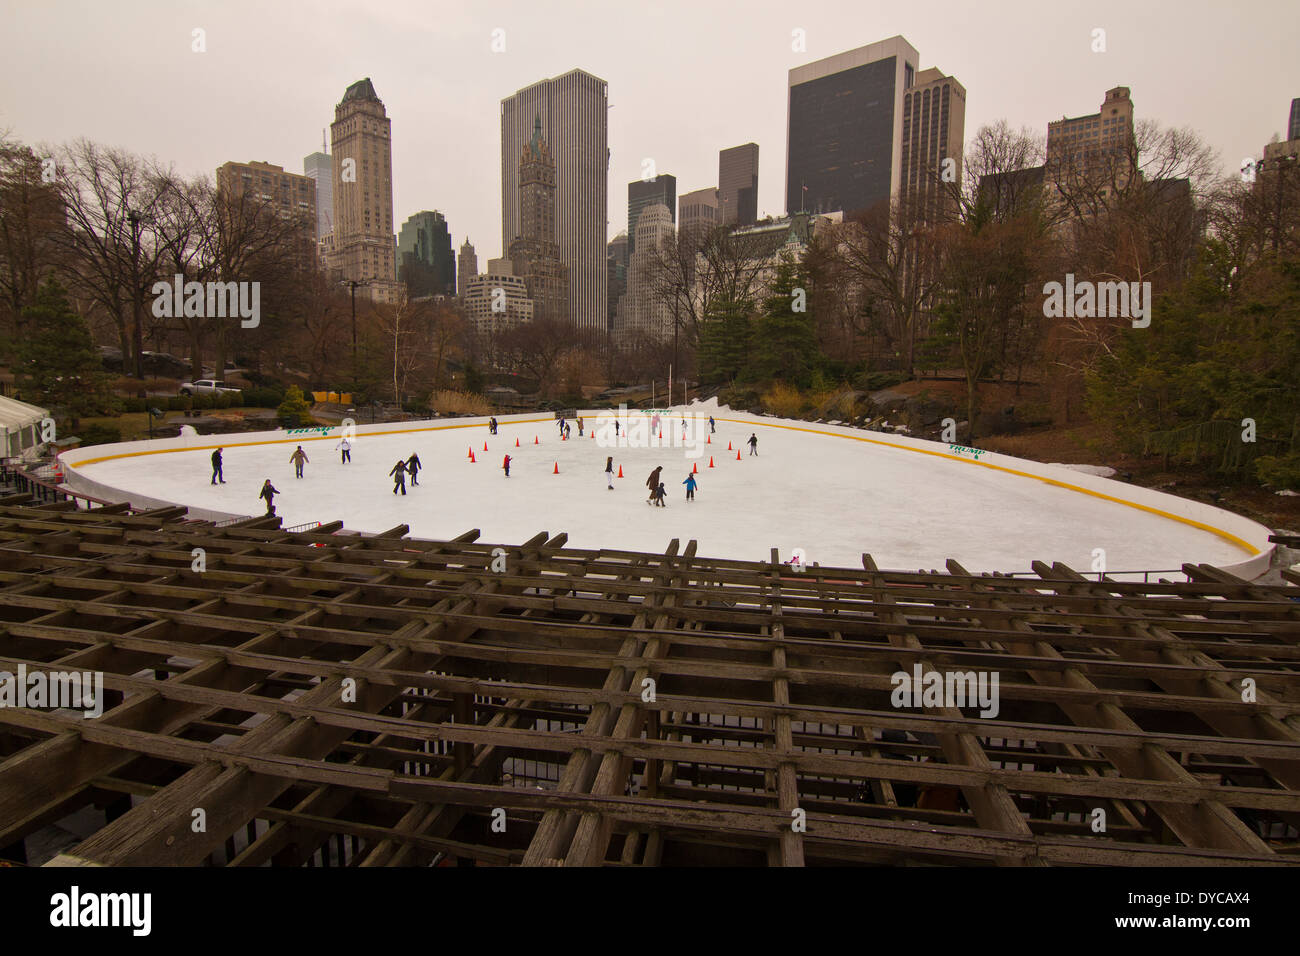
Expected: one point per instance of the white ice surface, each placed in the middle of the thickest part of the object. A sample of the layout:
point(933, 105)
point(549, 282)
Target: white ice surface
point(833, 497)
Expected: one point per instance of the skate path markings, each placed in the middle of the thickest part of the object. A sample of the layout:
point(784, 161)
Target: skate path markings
point(749, 423)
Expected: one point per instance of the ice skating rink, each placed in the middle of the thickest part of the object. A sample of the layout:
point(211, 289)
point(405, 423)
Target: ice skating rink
point(833, 492)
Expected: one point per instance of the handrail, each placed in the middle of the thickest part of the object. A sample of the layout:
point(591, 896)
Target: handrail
point(27, 480)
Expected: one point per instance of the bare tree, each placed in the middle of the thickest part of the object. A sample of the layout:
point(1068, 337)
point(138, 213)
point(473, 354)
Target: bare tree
point(31, 214)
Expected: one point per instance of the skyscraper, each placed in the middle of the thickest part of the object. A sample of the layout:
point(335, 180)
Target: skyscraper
point(648, 313)
point(1293, 125)
point(364, 247)
point(697, 213)
point(534, 252)
point(662, 190)
point(934, 127)
point(425, 262)
point(319, 168)
point(572, 109)
point(844, 134)
point(738, 185)
point(466, 267)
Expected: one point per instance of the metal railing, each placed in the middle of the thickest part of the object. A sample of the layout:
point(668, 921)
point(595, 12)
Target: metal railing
point(42, 482)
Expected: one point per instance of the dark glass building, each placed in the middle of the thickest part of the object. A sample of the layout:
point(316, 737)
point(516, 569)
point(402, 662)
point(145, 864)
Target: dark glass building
point(844, 132)
point(738, 185)
point(425, 262)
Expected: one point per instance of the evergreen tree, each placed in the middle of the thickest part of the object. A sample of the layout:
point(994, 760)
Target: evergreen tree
point(724, 346)
point(58, 364)
point(784, 341)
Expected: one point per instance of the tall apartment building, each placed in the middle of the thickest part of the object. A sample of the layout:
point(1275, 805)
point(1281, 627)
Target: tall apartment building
point(534, 252)
point(844, 131)
point(934, 128)
point(573, 110)
point(291, 195)
point(1087, 142)
point(738, 185)
point(361, 139)
point(497, 300)
point(466, 267)
point(319, 168)
point(647, 313)
point(662, 190)
point(616, 272)
point(425, 262)
point(697, 212)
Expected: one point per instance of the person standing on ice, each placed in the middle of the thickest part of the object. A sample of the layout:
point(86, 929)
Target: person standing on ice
point(398, 474)
point(216, 468)
point(505, 466)
point(609, 468)
point(492, 425)
point(345, 447)
point(579, 427)
point(753, 443)
point(413, 465)
point(713, 426)
point(690, 487)
point(653, 483)
point(299, 458)
point(269, 491)
point(561, 424)
point(661, 495)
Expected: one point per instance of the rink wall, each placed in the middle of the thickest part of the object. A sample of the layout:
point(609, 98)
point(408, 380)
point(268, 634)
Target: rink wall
point(79, 458)
point(1249, 536)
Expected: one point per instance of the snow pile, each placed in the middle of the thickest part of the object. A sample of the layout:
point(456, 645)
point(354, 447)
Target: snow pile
point(1101, 471)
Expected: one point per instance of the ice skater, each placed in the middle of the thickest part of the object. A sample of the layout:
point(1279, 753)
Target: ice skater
point(492, 425)
point(609, 471)
point(653, 483)
point(345, 447)
point(753, 443)
point(579, 427)
point(413, 465)
point(616, 429)
point(690, 487)
point(505, 466)
point(398, 474)
point(299, 458)
point(713, 426)
point(269, 491)
point(561, 424)
point(216, 468)
point(660, 495)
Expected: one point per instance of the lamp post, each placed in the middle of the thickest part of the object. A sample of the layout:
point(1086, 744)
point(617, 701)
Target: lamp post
point(135, 218)
point(352, 285)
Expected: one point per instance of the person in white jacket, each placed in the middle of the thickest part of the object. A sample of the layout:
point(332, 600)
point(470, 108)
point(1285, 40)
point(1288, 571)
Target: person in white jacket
point(345, 447)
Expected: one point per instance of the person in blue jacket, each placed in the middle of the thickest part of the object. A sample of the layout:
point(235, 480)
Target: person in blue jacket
point(690, 487)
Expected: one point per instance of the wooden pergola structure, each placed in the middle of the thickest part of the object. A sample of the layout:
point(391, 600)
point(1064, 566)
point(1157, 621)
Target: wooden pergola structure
point(326, 698)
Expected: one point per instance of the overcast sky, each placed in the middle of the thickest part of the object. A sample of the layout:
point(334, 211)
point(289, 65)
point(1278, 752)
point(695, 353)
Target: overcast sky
point(685, 78)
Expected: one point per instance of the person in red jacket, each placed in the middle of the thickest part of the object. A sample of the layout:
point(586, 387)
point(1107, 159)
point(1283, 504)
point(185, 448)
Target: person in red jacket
point(505, 465)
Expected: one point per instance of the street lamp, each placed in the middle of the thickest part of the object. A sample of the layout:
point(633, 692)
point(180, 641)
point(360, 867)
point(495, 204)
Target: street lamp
point(352, 285)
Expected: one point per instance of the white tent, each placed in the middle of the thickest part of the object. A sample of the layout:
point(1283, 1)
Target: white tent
point(21, 427)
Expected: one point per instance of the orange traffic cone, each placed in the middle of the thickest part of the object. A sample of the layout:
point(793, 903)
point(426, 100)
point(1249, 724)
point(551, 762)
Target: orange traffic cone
point(708, 439)
point(710, 461)
point(557, 469)
point(516, 442)
point(485, 446)
point(694, 470)
point(472, 459)
point(620, 471)
point(728, 446)
point(469, 452)
point(535, 441)
point(737, 454)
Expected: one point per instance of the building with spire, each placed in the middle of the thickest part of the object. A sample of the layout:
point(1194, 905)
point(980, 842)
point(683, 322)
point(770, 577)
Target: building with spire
point(466, 267)
point(364, 248)
point(534, 252)
point(319, 168)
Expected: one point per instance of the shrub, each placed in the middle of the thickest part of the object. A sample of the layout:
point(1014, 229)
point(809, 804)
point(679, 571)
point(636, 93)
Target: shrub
point(294, 404)
point(1281, 472)
point(262, 397)
point(784, 400)
point(875, 381)
point(446, 402)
